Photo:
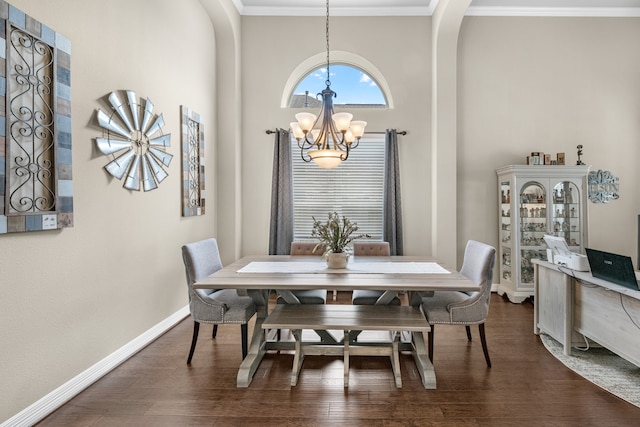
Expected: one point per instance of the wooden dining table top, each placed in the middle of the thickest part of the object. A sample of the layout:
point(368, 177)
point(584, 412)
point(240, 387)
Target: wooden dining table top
point(387, 276)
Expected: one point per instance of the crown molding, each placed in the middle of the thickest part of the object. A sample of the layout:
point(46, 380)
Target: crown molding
point(335, 11)
point(595, 12)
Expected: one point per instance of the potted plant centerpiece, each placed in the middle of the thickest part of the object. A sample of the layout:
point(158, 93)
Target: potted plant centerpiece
point(336, 234)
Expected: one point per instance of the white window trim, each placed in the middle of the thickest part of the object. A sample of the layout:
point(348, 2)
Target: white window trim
point(337, 56)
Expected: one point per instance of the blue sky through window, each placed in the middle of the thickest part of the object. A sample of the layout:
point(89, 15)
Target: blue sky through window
point(351, 85)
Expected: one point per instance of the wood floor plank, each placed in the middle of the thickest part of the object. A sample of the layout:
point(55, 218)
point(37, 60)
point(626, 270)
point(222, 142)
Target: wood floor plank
point(525, 387)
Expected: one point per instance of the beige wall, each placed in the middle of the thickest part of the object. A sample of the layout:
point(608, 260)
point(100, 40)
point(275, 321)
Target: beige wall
point(549, 84)
point(72, 297)
point(524, 84)
point(398, 47)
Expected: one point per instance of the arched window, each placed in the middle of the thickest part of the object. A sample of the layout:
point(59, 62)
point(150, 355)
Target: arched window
point(353, 86)
point(355, 188)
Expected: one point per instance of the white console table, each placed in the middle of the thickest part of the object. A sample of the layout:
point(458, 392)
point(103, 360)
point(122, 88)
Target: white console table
point(569, 303)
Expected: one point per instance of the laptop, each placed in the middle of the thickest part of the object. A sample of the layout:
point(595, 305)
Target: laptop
point(615, 268)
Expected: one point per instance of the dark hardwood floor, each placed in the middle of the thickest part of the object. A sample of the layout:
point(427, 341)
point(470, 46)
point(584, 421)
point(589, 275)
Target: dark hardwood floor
point(526, 386)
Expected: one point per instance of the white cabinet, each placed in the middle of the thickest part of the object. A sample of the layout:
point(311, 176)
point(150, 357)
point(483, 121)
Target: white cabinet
point(534, 201)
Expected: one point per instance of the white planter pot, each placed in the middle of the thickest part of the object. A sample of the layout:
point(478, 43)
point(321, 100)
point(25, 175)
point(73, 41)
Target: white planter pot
point(338, 260)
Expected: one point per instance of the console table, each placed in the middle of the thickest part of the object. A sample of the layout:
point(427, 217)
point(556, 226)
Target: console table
point(570, 304)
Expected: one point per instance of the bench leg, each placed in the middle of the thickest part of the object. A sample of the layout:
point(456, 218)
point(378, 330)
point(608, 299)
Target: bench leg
point(346, 358)
point(297, 358)
point(395, 359)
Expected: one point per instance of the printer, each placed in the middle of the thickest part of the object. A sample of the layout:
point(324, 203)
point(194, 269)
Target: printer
point(559, 254)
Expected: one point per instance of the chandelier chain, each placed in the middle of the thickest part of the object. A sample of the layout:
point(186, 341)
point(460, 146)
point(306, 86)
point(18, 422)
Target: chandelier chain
point(328, 82)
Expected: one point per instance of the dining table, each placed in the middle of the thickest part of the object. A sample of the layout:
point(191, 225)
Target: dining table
point(259, 275)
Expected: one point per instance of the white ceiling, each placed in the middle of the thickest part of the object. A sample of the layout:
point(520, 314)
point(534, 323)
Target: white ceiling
point(426, 7)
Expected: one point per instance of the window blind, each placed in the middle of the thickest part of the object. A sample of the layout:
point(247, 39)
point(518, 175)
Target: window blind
point(353, 189)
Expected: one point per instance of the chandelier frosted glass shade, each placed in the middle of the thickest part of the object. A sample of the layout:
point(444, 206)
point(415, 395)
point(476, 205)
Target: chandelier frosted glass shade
point(342, 121)
point(305, 121)
point(326, 159)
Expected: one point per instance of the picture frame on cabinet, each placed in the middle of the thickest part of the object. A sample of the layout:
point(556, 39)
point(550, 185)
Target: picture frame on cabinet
point(560, 158)
point(535, 158)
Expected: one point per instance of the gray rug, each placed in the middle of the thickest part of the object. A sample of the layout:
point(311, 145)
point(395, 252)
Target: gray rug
point(602, 367)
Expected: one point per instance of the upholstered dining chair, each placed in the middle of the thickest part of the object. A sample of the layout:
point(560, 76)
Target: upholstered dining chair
point(465, 308)
point(201, 259)
point(311, 296)
point(365, 296)
point(310, 249)
point(306, 296)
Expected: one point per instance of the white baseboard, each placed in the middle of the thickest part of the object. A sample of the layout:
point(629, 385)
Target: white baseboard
point(58, 397)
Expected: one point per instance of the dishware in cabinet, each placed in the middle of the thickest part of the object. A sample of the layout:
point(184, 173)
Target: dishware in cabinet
point(535, 200)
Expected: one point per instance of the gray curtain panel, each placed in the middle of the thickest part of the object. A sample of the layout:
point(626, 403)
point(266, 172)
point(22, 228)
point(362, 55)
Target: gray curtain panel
point(392, 231)
point(281, 227)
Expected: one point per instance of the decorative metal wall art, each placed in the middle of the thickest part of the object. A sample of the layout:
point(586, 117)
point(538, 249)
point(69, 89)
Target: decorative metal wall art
point(603, 186)
point(134, 141)
point(36, 186)
point(192, 162)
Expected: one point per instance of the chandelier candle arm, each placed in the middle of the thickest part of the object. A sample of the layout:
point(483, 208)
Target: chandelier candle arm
point(331, 135)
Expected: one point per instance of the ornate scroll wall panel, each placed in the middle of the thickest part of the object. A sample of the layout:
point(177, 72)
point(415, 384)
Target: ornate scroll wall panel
point(134, 141)
point(192, 163)
point(36, 186)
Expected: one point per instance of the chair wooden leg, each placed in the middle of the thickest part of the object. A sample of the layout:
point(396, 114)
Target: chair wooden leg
point(430, 343)
point(244, 332)
point(196, 328)
point(468, 332)
point(483, 339)
point(215, 331)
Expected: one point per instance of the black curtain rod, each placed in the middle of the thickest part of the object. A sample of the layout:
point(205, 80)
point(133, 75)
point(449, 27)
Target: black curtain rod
point(400, 132)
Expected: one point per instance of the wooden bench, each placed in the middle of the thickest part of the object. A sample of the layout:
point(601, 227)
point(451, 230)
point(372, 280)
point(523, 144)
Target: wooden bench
point(395, 319)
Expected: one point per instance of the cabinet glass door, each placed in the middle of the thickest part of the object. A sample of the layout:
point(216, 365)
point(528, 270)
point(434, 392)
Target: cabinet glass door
point(565, 215)
point(533, 220)
point(505, 228)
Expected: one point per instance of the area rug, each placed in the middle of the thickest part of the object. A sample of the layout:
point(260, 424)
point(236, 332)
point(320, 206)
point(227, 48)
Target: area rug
point(602, 367)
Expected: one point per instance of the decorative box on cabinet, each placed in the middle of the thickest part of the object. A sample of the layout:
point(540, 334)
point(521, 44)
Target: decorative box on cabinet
point(535, 200)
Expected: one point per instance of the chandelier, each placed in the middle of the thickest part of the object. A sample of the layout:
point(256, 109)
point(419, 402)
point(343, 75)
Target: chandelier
point(327, 138)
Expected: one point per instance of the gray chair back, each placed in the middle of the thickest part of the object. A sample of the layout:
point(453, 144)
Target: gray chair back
point(201, 259)
point(479, 259)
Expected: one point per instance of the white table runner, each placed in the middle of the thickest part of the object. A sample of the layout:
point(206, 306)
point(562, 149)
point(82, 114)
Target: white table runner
point(352, 267)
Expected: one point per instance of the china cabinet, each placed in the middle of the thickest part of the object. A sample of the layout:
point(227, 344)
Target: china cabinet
point(535, 200)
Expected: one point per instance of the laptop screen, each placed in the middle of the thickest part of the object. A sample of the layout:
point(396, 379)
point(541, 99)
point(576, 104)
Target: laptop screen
point(612, 267)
